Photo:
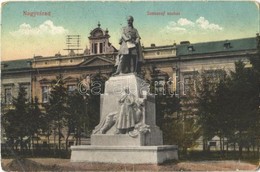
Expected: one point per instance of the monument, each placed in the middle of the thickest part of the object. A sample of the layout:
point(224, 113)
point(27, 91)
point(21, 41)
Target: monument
point(127, 131)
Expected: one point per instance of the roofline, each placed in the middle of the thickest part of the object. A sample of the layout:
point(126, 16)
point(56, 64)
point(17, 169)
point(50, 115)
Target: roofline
point(76, 67)
point(160, 46)
point(216, 41)
point(144, 48)
point(69, 57)
point(168, 46)
point(216, 52)
point(29, 59)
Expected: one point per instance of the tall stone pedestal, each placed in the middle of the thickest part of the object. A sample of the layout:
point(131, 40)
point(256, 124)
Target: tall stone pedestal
point(143, 144)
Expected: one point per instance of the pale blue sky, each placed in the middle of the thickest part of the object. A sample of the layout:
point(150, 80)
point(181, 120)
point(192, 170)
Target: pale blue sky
point(23, 36)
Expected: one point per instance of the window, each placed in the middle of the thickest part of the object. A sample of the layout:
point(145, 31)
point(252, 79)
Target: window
point(187, 85)
point(189, 82)
point(71, 88)
point(27, 90)
point(227, 45)
point(45, 94)
point(215, 75)
point(71, 143)
point(8, 95)
point(95, 48)
point(92, 48)
point(100, 48)
point(212, 144)
point(191, 48)
point(160, 81)
point(159, 86)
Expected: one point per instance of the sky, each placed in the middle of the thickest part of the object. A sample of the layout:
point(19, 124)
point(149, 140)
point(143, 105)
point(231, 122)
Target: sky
point(161, 23)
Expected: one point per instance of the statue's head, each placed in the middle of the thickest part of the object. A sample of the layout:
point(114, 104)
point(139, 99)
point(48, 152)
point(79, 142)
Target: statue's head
point(130, 20)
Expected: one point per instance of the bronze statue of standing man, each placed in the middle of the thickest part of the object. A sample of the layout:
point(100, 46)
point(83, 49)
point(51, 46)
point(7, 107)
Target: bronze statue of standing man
point(130, 53)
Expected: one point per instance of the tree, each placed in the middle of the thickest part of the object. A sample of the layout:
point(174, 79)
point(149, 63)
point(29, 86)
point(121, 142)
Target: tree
point(228, 108)
point(223, 119)
point(76, 116)
point(35, 119)
point(47, 122)
point(166, 109)
point(205, 106)
point(15, 121)
point(256, 62)
point(57, 106)
point(256, 67)
point(244, 102)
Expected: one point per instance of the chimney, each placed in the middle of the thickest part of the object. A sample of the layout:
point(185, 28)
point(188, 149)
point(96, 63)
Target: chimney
point(185, 42)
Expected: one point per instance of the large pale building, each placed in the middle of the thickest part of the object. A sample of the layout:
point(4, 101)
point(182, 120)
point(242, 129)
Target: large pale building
point(175, 62)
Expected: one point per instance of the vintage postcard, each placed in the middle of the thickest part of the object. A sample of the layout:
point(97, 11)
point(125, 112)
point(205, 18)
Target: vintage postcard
point(124, 85)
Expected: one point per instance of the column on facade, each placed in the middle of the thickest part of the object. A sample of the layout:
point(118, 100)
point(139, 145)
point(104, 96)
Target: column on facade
point(91, 48)
point(174, 81)
point(97, 47)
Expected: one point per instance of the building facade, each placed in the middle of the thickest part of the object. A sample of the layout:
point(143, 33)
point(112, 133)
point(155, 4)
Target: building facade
point(177, 62)
point(14, 74)
point(73, 67)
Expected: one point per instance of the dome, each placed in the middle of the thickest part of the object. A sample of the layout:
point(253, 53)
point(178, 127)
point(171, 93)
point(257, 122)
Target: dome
point(98, 33)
